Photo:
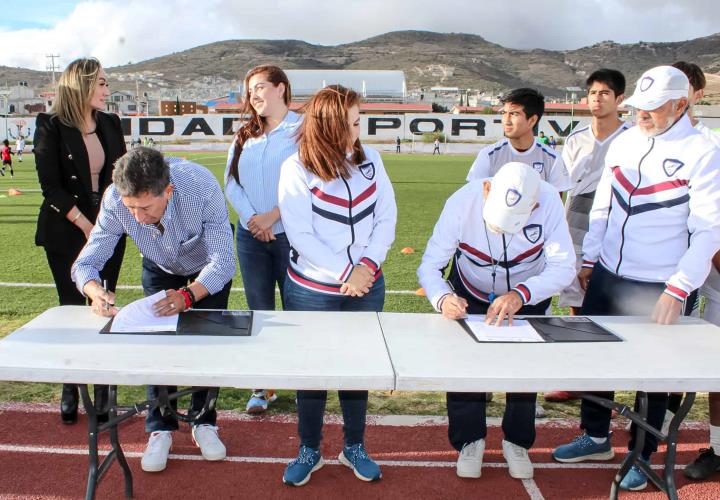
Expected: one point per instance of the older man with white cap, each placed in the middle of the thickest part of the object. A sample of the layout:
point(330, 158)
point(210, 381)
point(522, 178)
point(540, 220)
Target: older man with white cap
point(512, 251)
point(654, 227)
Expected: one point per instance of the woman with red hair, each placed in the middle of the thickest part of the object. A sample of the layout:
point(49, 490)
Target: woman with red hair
point(338, 209)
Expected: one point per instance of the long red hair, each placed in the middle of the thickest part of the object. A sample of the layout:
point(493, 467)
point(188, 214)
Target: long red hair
point(324, 135)
point(255, 124)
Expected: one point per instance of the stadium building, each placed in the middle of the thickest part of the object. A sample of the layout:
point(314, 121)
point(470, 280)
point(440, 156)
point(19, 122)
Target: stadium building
point(373, 86)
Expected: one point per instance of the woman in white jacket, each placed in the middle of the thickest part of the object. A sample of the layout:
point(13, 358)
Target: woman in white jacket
point(338, 209)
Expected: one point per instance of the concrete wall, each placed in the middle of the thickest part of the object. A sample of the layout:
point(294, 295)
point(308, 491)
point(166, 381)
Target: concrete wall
point(457, 128)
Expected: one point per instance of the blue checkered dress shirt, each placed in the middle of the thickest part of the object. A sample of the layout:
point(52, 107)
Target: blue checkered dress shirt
point(197, 236)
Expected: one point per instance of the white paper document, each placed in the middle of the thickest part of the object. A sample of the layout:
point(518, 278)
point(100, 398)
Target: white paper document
point(138, 316)
point(520, 331)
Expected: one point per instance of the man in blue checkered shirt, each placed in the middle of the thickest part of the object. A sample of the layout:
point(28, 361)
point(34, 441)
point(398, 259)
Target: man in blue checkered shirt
point(175, 212)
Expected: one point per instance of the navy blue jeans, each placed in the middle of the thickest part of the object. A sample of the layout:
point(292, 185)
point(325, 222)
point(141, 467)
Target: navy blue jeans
point(154, 279)
point(311, 404)
point(262, 265)
point(611, 295)
point(467, 410)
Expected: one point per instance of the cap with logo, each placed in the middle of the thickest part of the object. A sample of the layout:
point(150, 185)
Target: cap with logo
point(657, 86)
point(513, 192)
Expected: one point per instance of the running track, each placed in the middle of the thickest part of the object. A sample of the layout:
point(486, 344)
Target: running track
point(40, 458)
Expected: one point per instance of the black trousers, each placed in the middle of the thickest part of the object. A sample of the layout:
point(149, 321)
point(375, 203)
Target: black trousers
point(611, 295)
point(155, 279)
point(466, 410)
point(60, 264)
point(68, 294)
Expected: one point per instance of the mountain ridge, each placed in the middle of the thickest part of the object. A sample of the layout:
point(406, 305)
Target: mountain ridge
point(427, 58)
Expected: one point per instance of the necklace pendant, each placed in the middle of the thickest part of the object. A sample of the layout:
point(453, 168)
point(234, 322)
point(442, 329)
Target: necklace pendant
point(491, 297)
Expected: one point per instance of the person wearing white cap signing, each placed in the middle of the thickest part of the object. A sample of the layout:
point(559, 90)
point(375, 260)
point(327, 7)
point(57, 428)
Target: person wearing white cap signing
point(654, 227)
point(512, 251)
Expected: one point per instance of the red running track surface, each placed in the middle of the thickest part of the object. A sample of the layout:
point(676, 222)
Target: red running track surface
point(40, 458)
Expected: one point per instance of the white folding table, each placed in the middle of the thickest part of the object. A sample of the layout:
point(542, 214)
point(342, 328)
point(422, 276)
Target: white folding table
point(430, 353)
point(287, 350)
point(362, 351)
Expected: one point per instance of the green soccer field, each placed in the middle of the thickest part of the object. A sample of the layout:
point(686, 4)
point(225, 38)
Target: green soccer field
point(422, 183)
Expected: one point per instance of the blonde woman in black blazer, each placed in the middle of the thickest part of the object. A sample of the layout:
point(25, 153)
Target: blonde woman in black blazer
point(75, 148)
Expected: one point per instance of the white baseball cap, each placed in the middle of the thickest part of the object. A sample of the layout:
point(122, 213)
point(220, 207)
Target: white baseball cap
point(657, 86)
point(513, 192)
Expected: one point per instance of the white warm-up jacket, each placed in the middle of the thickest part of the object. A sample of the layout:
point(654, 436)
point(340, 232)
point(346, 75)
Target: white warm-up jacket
point(332, 226)
point(656, 214)
point(540, 259)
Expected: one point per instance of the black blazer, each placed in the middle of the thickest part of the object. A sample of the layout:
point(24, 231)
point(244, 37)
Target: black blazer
point(63, 169)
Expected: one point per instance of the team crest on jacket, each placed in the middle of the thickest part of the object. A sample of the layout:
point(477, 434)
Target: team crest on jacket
point(538, 166)
point(670, 166)
point(512, 197)
point(368, 170)
point(533, 232)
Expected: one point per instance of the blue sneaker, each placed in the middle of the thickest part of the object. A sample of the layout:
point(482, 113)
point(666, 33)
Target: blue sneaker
point(634, 480)
point(358, 460)
point(583, 448)
point(298, 471)
point(259, 401)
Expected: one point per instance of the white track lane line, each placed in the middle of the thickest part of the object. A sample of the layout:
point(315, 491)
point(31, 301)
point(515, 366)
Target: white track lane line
point(532, 489)
point(48, 450)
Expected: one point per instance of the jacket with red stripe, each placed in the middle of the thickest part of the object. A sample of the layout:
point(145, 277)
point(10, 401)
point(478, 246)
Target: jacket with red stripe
point(540, 258)
point(334, 225)
point(656, 214)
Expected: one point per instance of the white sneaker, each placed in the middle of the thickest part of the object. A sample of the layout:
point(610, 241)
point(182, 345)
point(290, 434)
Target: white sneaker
point(518, 460)
point(469, 463)
point(156, 454)
point(206, 438)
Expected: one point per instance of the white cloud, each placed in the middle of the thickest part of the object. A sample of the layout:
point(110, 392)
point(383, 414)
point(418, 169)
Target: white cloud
point(118, 31)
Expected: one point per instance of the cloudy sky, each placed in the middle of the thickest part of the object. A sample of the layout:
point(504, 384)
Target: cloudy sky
point(119, 31)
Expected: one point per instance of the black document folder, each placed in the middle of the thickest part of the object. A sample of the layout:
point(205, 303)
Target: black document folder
point(204, 322)
point(562, 329)
point(572, 329)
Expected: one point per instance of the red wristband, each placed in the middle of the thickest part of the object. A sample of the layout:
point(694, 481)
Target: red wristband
point(186, 296)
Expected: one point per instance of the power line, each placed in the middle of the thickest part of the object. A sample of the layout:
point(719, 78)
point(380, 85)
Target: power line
point(52, 66)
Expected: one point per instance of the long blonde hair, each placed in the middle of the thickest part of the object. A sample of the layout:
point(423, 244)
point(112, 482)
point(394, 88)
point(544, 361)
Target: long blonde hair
point(75, 90)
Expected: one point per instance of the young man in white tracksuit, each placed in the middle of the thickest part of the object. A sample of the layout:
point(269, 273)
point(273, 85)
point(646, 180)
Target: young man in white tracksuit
point(521, 112)
point(512, 251)
point(584, 156)
point(654, 228)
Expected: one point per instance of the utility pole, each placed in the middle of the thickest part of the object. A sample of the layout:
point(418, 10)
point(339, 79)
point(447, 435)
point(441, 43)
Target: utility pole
point(51, 66)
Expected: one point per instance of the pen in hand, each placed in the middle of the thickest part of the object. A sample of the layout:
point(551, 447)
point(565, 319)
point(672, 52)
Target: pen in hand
point(454, 306)
point(108, 305)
